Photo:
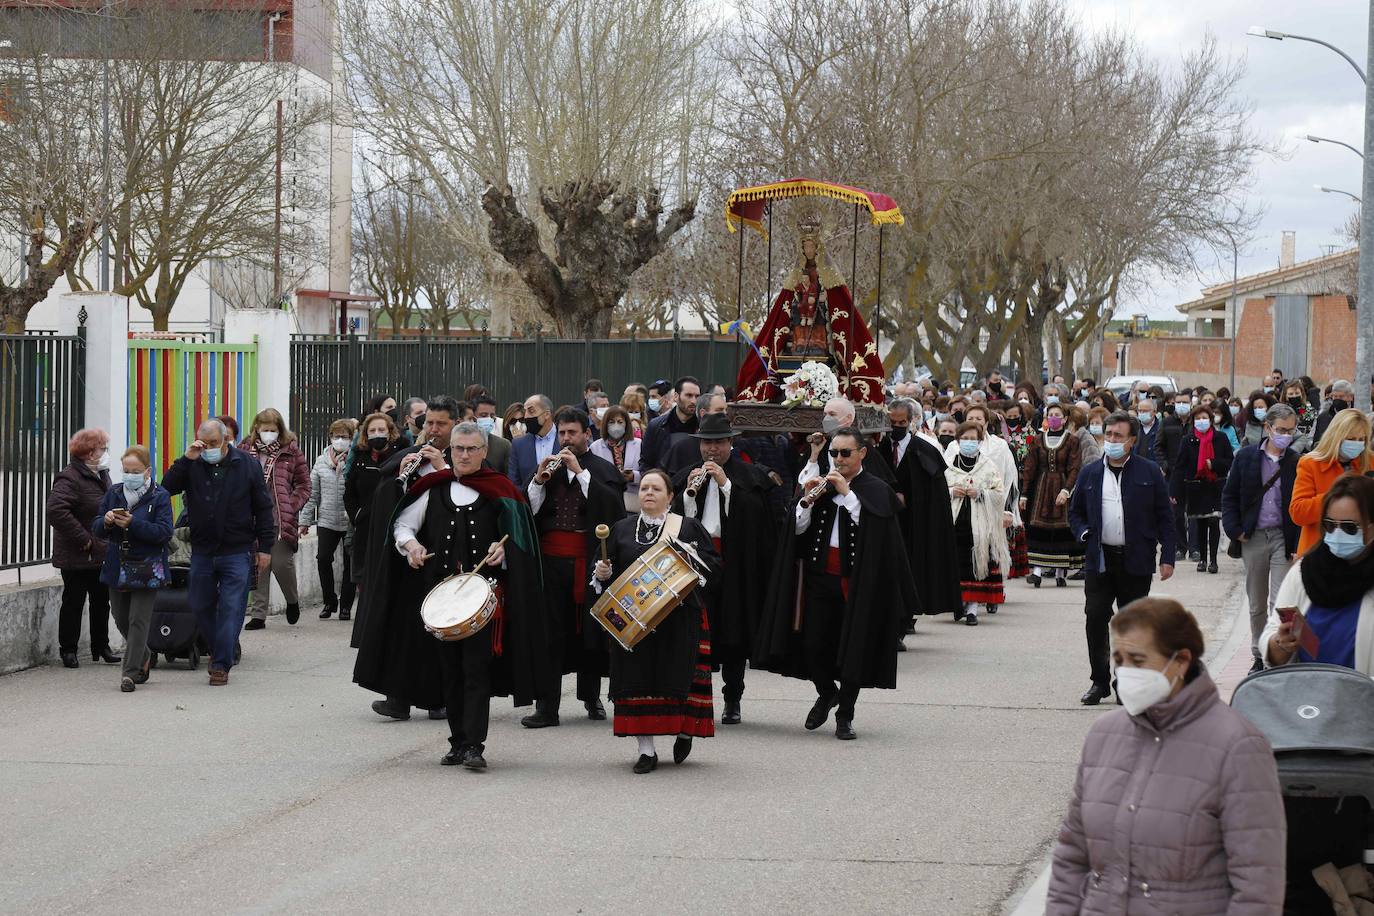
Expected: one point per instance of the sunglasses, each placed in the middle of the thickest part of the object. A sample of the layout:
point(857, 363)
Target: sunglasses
point(1330, 524)
point(842, 452)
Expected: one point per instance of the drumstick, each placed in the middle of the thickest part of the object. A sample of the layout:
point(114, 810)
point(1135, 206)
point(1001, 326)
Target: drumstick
point(504, 538)
point(603, 532)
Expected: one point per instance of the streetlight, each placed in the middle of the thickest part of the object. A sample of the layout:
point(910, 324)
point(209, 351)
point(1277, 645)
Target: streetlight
point(1325, 190)
point(1364, 313)
point(1312, 139)
point(1261, 32)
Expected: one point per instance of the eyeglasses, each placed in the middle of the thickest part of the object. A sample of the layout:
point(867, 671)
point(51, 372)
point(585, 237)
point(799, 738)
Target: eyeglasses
point(1330, 524)
point(842, 452)
point(467, 449)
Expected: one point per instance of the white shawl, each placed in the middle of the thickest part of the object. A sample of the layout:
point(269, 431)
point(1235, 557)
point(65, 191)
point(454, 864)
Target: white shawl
point(985, 513)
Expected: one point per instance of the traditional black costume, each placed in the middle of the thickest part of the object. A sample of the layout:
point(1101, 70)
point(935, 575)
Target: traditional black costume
point(457, 519)
point(744, 529)
point(840, 596)
point(663, 687)
point(926, 521)
point(567, 510)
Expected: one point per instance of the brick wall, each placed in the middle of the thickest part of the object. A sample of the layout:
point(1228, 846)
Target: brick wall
point(1207, 360)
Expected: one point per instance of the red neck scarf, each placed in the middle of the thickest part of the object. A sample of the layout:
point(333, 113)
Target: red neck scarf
point(1205, 453)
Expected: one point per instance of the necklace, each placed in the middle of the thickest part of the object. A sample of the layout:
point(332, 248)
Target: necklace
point(653, 528)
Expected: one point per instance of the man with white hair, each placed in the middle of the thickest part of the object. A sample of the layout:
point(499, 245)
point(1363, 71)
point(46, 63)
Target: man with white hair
point(233, 527)
point(1342, 398)
point(837, 414)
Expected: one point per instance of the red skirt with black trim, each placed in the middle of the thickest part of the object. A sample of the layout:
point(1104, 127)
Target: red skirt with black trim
point(1020, 558)
point(985, 591)
point(694, 716)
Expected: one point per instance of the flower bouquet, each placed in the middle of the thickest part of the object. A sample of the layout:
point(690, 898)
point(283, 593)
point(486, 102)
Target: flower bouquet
point(810, 386)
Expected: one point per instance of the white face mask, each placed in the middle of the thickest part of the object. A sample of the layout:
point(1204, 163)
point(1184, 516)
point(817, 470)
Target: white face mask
point(616, 430)
point(340, 444)
point(1141, 688)
point(268, 436)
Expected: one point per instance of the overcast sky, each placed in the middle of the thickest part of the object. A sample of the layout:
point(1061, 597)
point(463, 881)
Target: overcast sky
point(1296, 88)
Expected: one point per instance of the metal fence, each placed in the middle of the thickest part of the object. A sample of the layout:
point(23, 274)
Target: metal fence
point(333, 377)
point(42, 402)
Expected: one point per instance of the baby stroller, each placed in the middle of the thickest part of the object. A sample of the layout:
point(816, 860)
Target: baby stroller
point(1320, 721)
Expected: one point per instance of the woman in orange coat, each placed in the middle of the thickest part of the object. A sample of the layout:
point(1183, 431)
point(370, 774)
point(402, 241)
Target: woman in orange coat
point(1344, 449)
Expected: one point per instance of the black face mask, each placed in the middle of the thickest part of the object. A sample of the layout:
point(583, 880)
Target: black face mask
point(995, 387)
point(1337, 405)
point(958, 416)
point(898, 433)
point(945, 440)
point(377, 443)
point(1295, 403)
point(1014, 422)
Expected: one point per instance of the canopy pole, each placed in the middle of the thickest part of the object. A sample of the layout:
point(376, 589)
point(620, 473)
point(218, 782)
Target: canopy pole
point(878, 305)
point(768, 279)
point(853, 304)
point(739, 307)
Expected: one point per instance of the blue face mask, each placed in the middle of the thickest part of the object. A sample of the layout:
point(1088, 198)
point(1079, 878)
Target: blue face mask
point(968, 447)
point(1051, 399)
point(1345, 546)
point(653, 405)
point(213, 455)
point(1182, 409)
point(1259, 413)
point(1202, 424)
point(1095, 429)
point(133, 481)
point(1352, 449)
point(486, 424)
point(1114, 450)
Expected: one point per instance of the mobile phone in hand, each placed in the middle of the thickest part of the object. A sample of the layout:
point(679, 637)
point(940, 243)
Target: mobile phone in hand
point(1286, 614)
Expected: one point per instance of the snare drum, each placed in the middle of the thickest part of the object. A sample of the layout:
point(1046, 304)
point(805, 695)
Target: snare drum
point(645, 593)
point(459, 606)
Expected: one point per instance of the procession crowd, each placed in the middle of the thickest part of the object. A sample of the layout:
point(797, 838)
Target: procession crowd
point(813, 555)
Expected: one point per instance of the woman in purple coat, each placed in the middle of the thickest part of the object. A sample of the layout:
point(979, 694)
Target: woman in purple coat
point(1176, 808)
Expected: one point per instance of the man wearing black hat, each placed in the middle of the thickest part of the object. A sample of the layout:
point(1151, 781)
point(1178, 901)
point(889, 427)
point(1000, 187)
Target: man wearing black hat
point(737, 502)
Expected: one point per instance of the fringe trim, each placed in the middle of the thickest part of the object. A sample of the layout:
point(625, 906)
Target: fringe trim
point(785, 190)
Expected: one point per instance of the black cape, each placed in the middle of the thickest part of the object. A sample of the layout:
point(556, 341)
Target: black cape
point(605, 506)
point(882, 597)
point(749, 536)
point(664, 662)
point(398, 658)
point(927, 524)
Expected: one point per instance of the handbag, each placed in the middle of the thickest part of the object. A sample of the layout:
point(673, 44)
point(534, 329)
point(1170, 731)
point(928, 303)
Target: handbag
point(139, 572)
point(1234, 547)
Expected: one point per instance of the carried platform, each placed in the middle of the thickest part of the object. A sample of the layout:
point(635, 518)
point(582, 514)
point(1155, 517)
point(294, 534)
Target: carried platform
point(757, 417)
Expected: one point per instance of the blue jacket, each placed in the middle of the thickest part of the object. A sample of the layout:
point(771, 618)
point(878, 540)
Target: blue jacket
point(231, 514)
point(1240, 499)
point(522, 464)
point(1145, 508)
point(1147, 443)
point(148, 533)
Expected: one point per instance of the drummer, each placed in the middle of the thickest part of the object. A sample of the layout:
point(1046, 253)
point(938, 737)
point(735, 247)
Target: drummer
point(663, 687)
point(449, 522)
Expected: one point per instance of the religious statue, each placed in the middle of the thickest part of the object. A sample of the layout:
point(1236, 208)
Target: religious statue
point(812, 318)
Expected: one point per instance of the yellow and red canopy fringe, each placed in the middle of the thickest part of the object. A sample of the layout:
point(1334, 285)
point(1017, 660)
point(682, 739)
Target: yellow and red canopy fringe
point(746, 205)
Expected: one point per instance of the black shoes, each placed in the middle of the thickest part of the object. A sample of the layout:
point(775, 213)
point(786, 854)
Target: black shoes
point(992, 609)
point(327, 612)
point(731, 715)
point(1033, 579)
point(440, 713)
point(1212, 568)
point(1257, 667)
point(821, 711)
point(595, 711)
point(345, 613)
point(1194, 555)
point(293, 613)
point(971, 619)
point(1095, 694)
point(1201, 565)
point(540, 719)
point(901, 644)
point(126, 685)
point(844, 730)
point(391, 710)
point(453, 758)
point(255, 623)
point(1061, 582)
point(106, 656)
point(646, 764)
point(69, 660)
point(681, 748)
point(473, 759)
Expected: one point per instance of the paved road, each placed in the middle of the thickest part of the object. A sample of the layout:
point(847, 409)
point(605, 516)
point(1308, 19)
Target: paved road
point(284, 793)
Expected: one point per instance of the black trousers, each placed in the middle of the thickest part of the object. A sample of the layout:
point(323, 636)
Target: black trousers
point(822, 620)
point(732, 665)
point(331, 541)
point(78, 585)
point(1101, 590)
point(1181, 528)
point(1208, 538)
point(465, 669)
point(565, 642)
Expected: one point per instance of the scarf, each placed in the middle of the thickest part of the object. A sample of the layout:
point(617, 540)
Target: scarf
point(516, 519)
point(267, 454)
point(618, 452)
point(1335, 583)
point(985, 515)
point(1205, 453)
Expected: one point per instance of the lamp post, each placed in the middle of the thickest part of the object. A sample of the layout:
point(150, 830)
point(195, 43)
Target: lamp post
point(1312, 139)
point(1325, 190)
point(1364, 315)
point(1235, 283)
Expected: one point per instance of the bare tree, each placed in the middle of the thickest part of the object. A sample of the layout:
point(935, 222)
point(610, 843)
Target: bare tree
point(582, 118)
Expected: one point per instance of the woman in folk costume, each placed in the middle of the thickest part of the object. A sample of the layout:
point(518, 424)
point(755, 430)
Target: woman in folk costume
point(1053, 460)
point(977, 500)
point(663, 687)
